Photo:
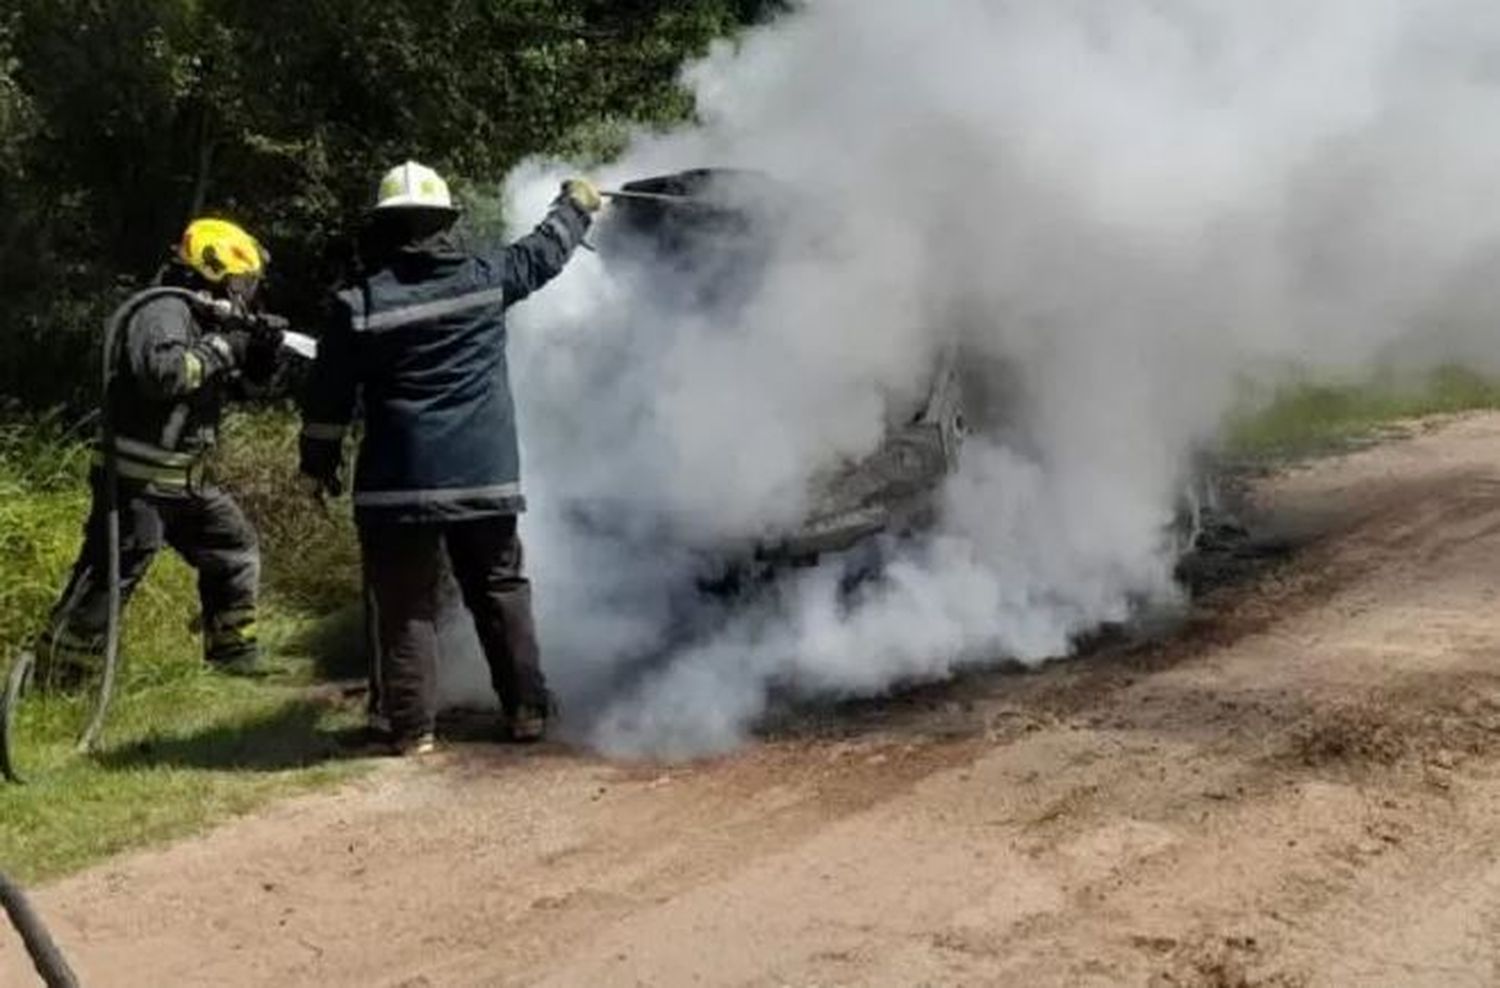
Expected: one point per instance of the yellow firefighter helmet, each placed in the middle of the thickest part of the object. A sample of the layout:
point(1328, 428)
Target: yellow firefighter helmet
point(218, 249)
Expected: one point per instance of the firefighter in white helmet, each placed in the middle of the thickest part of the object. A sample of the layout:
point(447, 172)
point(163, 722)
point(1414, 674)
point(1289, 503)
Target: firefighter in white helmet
point(418, 343)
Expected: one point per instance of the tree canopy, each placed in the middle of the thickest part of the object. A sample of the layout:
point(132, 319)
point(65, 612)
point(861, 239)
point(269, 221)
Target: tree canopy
point(119, 119)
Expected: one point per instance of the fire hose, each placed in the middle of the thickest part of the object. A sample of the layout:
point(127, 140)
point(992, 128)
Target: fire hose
point(21, 670)
point(43, 950)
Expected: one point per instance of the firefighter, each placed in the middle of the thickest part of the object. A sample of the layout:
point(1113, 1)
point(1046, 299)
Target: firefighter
point(185, 346)
point(418, 343)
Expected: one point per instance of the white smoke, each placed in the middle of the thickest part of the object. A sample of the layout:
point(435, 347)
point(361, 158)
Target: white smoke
point(1138, 206)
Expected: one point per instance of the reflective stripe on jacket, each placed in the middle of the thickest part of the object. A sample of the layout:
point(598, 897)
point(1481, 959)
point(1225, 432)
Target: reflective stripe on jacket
point(419, 345)
point(136, 460)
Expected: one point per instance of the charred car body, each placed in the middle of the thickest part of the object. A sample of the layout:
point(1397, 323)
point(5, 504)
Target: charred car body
point(701, 239)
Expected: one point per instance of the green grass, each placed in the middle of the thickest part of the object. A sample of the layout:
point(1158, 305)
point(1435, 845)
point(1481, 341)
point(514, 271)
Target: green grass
point(184, 747)
point(179, 757)
point(1307, 418)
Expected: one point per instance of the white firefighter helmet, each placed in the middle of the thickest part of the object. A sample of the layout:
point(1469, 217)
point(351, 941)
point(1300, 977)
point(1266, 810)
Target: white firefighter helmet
point(413, 186)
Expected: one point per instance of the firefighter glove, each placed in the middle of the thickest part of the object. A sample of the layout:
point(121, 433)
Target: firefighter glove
point(322, 463)
point(225, 350)
point(262, 358)
point(270, 326)
point(583, 194)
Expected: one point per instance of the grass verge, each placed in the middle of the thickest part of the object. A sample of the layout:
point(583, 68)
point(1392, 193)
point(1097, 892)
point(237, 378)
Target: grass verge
point(180, 755)
point(185, 747)
point(1306, 418)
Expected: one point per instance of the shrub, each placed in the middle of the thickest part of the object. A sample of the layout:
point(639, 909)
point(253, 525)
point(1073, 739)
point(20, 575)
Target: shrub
point(310, 555)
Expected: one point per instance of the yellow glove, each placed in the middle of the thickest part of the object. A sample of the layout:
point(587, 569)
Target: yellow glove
point(583, 194)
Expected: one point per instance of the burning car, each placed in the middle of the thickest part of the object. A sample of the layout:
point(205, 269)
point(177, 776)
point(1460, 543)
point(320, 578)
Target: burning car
point(701, 238)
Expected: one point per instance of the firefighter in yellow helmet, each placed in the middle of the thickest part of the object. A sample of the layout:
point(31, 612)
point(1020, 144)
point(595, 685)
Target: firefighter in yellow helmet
point(183, 347)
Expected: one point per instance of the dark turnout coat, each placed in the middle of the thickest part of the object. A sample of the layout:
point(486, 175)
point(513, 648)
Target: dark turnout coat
point(169, 393)
point(419, 346)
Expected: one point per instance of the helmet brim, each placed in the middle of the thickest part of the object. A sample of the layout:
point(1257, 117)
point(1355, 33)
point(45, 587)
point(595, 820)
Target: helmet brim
point(404, 205)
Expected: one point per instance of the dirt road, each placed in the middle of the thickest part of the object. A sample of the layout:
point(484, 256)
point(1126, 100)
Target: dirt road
point(1302, 787)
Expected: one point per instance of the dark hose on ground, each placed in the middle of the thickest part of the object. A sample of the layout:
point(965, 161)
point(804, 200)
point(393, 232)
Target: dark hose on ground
point(49, 961)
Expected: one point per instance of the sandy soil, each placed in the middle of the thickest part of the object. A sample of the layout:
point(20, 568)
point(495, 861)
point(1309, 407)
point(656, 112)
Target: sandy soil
point(1300, 787)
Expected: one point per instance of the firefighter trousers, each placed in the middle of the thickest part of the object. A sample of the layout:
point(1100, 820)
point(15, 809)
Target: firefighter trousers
point(403, 565)
point(206, 528)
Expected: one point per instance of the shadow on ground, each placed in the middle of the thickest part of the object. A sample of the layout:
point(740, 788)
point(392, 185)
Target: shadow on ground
point(337, 645)
point(307, 732)
point(301, 734)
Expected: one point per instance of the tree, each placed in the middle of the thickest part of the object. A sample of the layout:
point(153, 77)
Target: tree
point(121, 118)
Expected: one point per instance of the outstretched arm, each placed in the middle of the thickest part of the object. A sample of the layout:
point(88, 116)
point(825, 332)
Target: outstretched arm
point(540, 256)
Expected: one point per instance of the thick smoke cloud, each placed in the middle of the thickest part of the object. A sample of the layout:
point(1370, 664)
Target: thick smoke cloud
point(1137, 208)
